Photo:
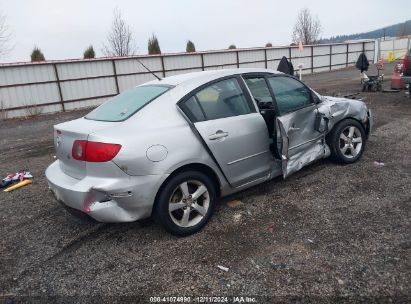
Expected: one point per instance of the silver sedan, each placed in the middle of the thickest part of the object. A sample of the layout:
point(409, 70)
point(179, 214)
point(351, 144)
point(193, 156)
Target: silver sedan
point(171, 147)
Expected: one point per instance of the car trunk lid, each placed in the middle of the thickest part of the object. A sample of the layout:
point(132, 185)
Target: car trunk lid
point(64, 136)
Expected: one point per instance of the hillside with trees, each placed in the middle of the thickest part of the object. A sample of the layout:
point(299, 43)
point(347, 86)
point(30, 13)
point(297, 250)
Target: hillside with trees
point(396, 30)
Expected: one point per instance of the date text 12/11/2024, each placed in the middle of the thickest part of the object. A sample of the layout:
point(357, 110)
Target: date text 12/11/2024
point(203, 299)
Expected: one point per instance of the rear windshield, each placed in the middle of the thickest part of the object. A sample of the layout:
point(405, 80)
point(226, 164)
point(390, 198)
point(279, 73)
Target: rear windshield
point(127, 103)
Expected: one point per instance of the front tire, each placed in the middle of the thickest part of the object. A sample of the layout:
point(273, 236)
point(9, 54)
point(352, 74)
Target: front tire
point(185, 203)
point(347, 141)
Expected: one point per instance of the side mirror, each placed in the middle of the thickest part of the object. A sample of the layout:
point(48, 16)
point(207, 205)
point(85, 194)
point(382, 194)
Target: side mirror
point(321, 123)
point(265, 105)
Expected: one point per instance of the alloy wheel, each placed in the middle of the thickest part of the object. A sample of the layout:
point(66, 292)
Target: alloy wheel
point(350, 142)
point(189, 203)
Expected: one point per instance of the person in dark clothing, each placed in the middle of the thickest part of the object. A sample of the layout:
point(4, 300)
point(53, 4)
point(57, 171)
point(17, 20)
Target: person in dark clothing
point(285, 66)
point(362, 63)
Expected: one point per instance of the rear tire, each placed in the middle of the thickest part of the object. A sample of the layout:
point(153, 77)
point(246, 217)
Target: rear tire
point(185, 203)
point(347, 141)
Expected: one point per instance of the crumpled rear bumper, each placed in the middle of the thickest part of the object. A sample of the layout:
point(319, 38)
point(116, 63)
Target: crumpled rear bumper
point(122, 198)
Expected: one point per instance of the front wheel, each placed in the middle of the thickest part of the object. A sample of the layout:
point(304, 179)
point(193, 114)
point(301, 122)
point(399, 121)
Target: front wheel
point(185, 203)
point(347, 141)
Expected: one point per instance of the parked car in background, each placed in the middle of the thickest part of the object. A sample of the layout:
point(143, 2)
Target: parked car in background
point(170, 147)
point(406, 71)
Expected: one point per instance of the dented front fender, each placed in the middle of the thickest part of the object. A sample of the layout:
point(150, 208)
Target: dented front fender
point(336, 109)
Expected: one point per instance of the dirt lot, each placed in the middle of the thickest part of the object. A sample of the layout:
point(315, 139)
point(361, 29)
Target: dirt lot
point(328, 233)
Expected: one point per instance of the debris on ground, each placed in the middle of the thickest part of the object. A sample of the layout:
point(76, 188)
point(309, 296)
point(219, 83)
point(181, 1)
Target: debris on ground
point(391, 91)
point(5, 183)
point(351, 95)
point(223, 268)
point(22, 176)
point(310, 241)
point(234, 204)
point(356, 96)
point(222, 283)
point(270, 229)
point(379, 164)
point(255, 264)
point(237, 217)
point(279, 266)
point(18, 185)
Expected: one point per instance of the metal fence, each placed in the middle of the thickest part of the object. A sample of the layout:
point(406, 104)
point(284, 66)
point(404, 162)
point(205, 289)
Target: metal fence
point(398, 47)
point(52, 86)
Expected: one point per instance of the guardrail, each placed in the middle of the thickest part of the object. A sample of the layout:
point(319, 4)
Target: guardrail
point(51, 86)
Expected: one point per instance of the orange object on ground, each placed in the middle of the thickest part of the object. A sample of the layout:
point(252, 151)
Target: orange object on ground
point(19, 185)
point(396, 82)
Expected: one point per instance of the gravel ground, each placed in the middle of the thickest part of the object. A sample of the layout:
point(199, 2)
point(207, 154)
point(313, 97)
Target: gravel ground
point(328, 233)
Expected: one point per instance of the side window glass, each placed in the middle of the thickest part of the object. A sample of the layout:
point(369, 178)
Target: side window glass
point(223, 99)
point(259, 90)
point(289, 94)
point(195, 112)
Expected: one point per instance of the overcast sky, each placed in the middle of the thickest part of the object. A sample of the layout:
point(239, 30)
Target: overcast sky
point(63, 29)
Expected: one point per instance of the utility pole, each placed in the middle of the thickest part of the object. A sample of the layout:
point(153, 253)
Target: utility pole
point(384, 34)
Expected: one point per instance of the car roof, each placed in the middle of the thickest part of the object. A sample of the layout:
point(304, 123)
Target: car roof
point(207, 76)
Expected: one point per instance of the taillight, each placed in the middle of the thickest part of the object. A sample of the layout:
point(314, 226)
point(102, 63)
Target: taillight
point(101, 152)
point(94, 151)
point(405, 63)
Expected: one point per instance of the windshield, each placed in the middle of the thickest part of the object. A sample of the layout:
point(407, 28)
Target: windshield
point(127, 103)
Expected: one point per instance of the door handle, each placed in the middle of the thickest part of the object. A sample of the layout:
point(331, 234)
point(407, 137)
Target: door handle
point(293, 128)
point(219, 134)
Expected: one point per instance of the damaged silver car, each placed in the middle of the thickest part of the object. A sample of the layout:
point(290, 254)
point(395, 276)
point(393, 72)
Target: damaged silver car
point(170, 147)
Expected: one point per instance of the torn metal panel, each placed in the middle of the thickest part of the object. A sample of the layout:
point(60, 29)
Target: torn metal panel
point(302, 143)
point(305, 157)
point(303, 132)
point(283, 145)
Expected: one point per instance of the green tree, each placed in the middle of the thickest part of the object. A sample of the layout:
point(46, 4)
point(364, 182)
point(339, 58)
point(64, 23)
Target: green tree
point(153, 45)
point(190, 47)
point(232, 47)
point(89, 53)
point(37, 55)
point(269, 44)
